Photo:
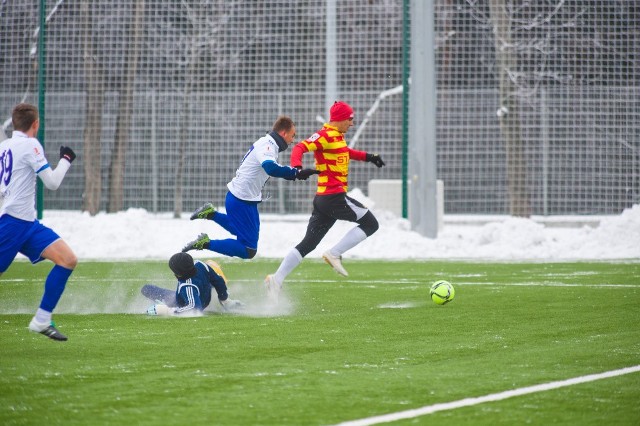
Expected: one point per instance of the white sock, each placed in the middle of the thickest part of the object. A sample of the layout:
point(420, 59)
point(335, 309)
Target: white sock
point(289, 263)
point(352, 238)
point(42, 316)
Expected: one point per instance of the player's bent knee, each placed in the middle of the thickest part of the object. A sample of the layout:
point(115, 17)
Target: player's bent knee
point(61, 254)
point(369, 224)
point(251, 253)
point(69, 261)
point(307, 246)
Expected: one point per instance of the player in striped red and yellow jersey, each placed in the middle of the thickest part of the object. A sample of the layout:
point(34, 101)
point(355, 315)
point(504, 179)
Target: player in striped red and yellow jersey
point(331, 154)
point(331, 203)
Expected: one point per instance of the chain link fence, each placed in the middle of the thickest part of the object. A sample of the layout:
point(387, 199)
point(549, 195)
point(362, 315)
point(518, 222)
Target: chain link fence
point(161, 99)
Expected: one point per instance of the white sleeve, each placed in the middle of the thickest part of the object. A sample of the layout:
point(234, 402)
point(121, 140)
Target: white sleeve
point(53, 178)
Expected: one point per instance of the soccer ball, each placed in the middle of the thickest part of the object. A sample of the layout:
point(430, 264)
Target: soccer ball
point(442, 292)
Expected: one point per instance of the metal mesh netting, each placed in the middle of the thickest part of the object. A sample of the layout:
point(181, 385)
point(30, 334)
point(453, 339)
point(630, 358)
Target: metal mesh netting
point(572, 73)
point(161, 99)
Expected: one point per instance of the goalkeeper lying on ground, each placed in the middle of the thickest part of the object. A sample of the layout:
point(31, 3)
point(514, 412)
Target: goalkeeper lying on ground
point(193, 294)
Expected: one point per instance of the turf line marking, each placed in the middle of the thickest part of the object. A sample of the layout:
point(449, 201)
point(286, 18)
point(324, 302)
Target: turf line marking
point(467, 402)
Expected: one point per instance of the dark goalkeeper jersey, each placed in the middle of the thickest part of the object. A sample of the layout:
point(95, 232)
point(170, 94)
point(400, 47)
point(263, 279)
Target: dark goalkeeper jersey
point(195, 292)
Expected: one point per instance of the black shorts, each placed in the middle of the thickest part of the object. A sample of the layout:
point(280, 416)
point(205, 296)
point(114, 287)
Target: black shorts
point(327, 209)
point(338, 207)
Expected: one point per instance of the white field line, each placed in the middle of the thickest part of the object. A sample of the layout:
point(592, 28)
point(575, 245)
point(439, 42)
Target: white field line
point(554, 284)
point(463, 283)
point(372, 283)
point(467, 402)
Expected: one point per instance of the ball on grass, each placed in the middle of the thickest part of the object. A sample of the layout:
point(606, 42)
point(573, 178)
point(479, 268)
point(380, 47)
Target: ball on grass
point(442, 292)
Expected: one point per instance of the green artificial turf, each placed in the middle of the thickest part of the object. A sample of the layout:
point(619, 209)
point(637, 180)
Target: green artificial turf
point(336, 349)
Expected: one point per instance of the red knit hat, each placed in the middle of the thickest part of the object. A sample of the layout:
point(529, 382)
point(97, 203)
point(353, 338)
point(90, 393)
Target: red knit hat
point(340, 111)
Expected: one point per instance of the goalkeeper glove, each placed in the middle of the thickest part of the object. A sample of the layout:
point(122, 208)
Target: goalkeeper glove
point(67, 153)
point(375, 159)
point(303, 174)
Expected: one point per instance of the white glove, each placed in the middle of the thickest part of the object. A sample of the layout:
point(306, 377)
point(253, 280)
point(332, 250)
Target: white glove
point(159, 309)
point(232, 305)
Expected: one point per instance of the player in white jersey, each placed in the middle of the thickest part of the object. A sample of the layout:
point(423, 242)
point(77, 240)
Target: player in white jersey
point(21, 160)
point(245, 192)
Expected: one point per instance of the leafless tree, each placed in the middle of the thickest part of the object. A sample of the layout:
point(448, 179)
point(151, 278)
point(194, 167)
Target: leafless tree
point(133, 31)
point(95, 81)
point(509, 111)
point(200, 35)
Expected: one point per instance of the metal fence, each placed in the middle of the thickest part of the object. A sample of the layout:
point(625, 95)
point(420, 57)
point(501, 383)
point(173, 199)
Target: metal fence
point(205, 79)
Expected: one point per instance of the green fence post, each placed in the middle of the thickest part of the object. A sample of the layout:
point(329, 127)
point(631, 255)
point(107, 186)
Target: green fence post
point(406, 39)
point(41, 91)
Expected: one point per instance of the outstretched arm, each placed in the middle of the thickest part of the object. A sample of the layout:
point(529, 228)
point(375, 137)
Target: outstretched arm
point(53, 178)
point(365, 156)
point(354, 154)
point(276, 170)
point(296, 155)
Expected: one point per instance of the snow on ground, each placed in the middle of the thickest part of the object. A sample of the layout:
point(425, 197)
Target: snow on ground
point(138, 234)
